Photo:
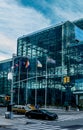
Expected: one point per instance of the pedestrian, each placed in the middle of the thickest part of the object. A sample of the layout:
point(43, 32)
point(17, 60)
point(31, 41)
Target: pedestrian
point(37, 106)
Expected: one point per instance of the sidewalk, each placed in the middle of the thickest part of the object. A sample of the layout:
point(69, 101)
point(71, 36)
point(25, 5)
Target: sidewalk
point(5, 122)
point(9, 122)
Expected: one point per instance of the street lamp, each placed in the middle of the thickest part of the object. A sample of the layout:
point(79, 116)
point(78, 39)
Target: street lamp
point(10, 77)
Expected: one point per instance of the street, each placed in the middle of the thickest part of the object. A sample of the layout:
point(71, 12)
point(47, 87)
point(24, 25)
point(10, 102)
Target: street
point(71, 120)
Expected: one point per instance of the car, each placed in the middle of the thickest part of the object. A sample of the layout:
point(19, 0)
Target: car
point(19, 109)
point(41, 114)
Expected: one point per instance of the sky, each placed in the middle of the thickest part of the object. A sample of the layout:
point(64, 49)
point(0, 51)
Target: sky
point(22, 17)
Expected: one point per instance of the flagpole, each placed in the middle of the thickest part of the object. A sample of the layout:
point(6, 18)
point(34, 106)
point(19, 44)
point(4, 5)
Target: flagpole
point(26, 87)
point(19, 84)
point(46, 86)
point(12, 79)
point(26, 93)
point(11, 113)
point(36, 85)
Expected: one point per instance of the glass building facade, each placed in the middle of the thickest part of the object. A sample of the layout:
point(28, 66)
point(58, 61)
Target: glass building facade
point(4, 83)
point(54, 75)
point(59, 50)
point(4, 68)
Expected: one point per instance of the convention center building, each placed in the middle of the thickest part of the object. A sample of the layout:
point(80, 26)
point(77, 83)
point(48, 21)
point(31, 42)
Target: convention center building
point(48, 67)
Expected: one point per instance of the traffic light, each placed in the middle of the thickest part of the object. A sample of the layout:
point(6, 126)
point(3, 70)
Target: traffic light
point(7, 98)
point(66, 79)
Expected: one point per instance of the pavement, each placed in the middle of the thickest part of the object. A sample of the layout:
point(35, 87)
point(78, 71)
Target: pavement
point(5, 122)
point(8, 122)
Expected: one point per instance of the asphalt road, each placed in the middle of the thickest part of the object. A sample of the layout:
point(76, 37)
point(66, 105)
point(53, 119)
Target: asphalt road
point(71, 120)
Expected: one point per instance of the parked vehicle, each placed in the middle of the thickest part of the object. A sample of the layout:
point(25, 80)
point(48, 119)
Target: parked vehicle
point(41, 114)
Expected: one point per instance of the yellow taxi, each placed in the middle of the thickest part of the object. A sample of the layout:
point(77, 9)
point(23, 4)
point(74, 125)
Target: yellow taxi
point(19, 109)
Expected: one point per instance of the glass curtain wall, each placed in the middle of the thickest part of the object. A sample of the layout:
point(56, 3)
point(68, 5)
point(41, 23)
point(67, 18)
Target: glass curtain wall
point(44, 48)
point(5, 85)
point(56, 49)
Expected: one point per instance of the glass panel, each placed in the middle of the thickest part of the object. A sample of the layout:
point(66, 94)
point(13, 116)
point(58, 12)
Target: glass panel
point(79, 84)
point(78, 34)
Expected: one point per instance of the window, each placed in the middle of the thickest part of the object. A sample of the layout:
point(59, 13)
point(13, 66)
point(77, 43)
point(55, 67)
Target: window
point(78, 34)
